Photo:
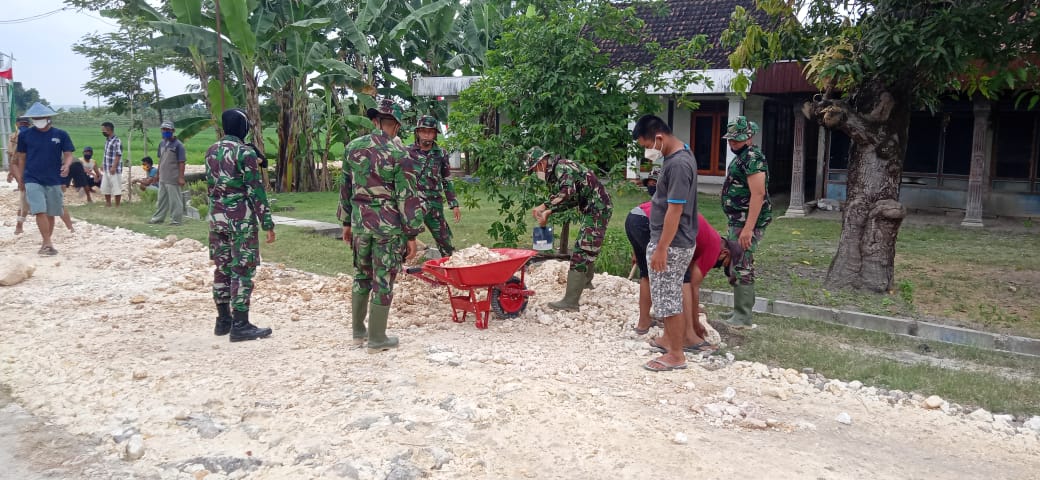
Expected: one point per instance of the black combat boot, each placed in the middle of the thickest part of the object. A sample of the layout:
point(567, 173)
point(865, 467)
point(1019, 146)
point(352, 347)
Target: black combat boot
point(241, 329)
point(223, 319)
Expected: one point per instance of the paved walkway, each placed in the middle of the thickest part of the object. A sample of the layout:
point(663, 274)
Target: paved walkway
point(324, 228)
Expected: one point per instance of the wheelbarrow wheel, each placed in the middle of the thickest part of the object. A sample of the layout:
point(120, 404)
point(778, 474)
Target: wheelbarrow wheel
point(508, 300)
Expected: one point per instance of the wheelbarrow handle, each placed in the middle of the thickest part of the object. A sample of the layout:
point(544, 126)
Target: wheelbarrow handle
point(413, 270)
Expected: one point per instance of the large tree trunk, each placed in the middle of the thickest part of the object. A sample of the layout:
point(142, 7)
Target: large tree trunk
point(877, 122)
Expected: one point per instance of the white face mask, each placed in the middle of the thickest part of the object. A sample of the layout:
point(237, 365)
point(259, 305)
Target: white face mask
point(653, 154)
point(541, 175)
point(40, 123)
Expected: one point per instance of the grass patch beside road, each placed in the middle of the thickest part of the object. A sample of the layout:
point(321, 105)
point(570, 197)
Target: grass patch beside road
point(295, 247)
point(998, 382)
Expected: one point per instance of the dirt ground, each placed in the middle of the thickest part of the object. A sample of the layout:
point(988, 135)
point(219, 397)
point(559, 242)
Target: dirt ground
point(109, 347)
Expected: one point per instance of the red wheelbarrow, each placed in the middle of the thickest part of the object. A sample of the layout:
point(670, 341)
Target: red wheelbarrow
point(506, 293)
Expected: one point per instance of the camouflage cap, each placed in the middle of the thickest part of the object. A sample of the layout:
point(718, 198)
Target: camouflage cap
point(389, 108)
point(656, 172)
point(532, 157)
point(428, 121)
point(740, 129)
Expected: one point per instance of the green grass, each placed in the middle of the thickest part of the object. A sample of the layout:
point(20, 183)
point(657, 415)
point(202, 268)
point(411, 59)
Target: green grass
point(294, 247)
point(956, 373)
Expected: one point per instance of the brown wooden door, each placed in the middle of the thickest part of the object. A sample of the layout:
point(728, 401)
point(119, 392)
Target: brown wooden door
point(706, 142)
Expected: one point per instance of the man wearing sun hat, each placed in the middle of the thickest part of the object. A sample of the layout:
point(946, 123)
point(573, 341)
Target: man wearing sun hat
point(745, 201)
point(172, 159)
point(382, 216)
point(44, 157)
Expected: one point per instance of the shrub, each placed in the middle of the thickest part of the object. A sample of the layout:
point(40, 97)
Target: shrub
point(149, 195)
point(615, 256)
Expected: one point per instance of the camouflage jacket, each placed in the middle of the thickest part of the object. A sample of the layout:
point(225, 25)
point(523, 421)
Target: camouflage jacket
point(577, 187)
point(433, 174)
point(736, 194)
point(379, 192)
point(234, 185)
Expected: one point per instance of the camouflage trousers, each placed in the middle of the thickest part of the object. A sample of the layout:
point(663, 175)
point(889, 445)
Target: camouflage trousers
point(590, 239)
point(744, 267)
point(433, 217)
point(236, 254)
point(377, 260)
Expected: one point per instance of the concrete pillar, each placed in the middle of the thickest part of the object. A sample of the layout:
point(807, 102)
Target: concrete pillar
point(973, 210)
point(736, 109)
point(796, 207)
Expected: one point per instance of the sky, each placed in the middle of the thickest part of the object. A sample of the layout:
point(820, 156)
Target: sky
point(43, 56)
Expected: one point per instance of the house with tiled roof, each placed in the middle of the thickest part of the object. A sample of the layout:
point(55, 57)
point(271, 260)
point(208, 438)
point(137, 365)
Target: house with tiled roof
point(973, 157)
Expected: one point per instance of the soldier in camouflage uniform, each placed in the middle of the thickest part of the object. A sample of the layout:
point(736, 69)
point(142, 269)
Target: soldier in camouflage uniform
point(380, 201)
point(433, 174)
point(238, 209)
point(745, 201)
point(576, 187)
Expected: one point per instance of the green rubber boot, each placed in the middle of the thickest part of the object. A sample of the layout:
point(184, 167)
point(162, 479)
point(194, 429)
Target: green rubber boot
point(378, 316)
point(358, 312)
point(575, 285)
point(591, 272)
point(743, 303)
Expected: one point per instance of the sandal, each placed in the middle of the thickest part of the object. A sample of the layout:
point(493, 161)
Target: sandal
point(659, 365)
point(702, 347)
point(653, 323)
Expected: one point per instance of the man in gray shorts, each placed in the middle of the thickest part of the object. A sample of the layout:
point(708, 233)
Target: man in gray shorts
point(44, 156)
point(673, 233)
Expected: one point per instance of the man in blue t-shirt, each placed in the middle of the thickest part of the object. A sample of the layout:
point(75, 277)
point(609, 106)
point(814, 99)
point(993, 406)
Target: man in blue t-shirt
point(44, 156)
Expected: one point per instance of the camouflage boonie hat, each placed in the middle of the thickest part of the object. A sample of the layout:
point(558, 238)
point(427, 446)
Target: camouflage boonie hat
point(533, 156)
point(428, 121)
point(388, 108)
point(740, 129)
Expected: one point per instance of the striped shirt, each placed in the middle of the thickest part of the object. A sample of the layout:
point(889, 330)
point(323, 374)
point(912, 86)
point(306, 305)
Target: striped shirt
point(113, 149)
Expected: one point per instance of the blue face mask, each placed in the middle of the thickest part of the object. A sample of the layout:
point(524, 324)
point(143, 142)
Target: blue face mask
point(652, 189)
point(22, 129)
point(167, 135)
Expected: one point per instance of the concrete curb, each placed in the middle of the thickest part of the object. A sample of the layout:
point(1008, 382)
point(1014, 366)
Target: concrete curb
point(878, 323)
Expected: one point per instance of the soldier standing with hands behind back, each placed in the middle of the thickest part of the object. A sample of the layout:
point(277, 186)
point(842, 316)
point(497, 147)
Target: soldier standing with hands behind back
point(433, 173)
point(383, 214)
point(237, 203)
point(745, 201)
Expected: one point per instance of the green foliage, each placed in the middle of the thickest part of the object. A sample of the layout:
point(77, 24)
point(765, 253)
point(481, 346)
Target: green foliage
point(554, 88)
point(615, 255)
point(23, 99)
point(920, 50)
point(199, 195)
point(120, 66)
point(149, 195)
point(906, 291)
